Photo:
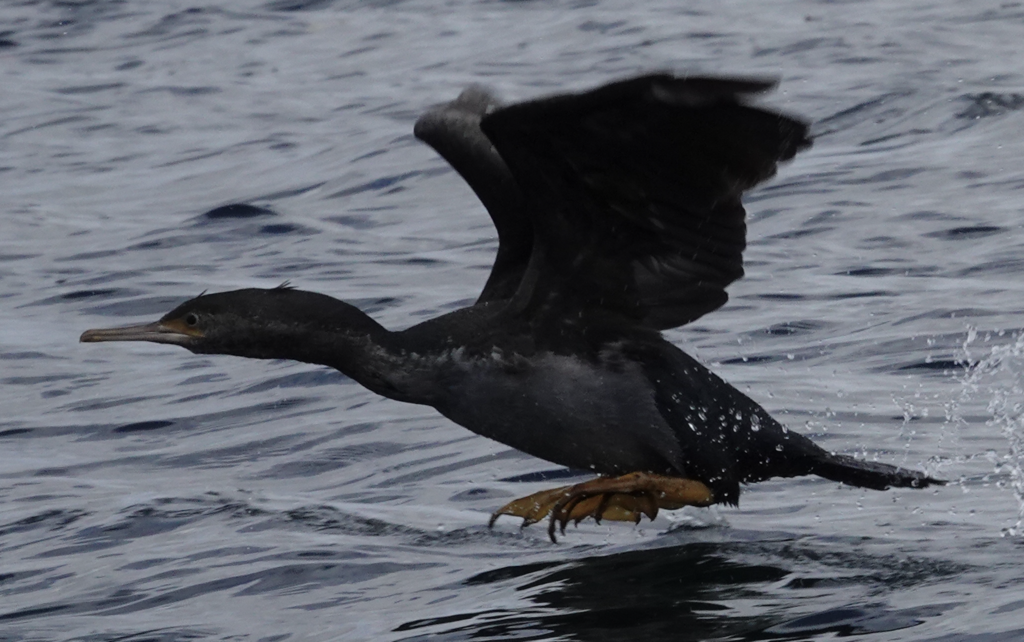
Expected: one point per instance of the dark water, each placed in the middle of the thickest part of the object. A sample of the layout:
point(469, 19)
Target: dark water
point(150, 494)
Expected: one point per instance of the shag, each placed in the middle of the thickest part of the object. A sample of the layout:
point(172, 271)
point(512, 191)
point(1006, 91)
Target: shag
point(618, 216)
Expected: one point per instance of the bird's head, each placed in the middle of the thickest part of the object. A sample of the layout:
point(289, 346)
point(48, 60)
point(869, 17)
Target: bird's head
point(255, 323)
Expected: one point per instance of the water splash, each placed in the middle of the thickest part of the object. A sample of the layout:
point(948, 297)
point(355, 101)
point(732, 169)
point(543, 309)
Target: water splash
point(999, 374)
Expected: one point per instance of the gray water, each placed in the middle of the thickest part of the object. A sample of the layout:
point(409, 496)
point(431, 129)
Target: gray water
point(150, 494)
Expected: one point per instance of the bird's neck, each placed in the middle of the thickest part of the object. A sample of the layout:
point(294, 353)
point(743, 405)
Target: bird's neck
point(345, 338)
point(370, 358)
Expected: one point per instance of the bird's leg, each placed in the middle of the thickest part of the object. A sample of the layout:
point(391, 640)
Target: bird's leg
point(531, 508)
point(624, 498)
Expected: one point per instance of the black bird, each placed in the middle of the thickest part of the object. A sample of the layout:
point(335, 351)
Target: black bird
point(618, 215)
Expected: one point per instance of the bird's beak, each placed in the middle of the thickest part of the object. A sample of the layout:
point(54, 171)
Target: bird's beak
point(176, 333)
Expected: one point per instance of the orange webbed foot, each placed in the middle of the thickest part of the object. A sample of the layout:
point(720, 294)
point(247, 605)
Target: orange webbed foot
point(626, 498)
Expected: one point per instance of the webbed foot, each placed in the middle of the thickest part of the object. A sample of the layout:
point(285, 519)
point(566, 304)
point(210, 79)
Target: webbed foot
point(624, 499)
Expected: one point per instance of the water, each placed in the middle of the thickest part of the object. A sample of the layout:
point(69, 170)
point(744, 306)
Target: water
point(150, 494)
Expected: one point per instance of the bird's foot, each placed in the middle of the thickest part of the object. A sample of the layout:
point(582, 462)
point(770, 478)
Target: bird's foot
point(622, 499)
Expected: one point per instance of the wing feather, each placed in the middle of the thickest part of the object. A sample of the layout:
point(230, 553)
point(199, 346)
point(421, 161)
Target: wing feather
point(633, 191)
point(453, 130)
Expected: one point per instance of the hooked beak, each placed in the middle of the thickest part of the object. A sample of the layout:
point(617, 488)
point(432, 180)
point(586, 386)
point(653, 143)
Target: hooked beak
point(158, 332)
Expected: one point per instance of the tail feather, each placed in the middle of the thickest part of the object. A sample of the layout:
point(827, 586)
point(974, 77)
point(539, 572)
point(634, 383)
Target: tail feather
point(871, 474)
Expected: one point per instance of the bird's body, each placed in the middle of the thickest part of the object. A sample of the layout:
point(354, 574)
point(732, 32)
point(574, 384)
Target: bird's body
point(618, 216)
point(621, 402)
point(590, 409)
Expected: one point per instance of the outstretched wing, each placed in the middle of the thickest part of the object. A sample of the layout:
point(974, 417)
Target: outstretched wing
point(633, 190)
point(453, 130)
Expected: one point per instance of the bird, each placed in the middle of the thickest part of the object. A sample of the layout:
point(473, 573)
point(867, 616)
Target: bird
point(618, 213)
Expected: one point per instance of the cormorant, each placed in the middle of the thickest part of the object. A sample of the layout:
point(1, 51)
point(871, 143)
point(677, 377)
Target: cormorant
point(618, 216)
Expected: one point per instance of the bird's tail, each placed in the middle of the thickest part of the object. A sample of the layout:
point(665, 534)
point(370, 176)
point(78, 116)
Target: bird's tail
point(870, 474)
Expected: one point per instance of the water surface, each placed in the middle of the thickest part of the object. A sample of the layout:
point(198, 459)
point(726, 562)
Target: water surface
point(150, 494)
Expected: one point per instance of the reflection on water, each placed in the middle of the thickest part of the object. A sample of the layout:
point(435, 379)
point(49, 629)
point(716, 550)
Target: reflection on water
point(737, 589)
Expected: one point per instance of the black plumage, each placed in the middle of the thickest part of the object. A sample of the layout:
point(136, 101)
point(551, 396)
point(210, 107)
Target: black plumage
point(618, 215)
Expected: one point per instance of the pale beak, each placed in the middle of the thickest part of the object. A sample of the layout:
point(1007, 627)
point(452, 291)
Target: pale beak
point(157, 332)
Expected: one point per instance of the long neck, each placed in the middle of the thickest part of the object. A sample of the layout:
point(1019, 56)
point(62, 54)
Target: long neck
point(315, 328)
point(373, 357)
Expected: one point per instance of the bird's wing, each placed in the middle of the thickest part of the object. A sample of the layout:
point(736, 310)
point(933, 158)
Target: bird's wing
point(453, 130)
point(633, 190)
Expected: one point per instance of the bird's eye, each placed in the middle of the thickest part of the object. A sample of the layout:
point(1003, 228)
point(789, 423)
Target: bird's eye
point(191, 320)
